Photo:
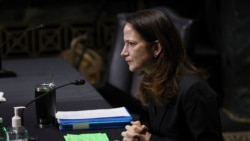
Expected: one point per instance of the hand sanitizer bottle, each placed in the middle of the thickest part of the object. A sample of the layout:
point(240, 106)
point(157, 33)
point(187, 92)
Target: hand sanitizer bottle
point(2, 130)
point(17, 132)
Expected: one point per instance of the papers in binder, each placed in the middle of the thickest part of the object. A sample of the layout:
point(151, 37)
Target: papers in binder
point(93, 119)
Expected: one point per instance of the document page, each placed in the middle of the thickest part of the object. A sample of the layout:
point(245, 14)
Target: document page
point(97, 113)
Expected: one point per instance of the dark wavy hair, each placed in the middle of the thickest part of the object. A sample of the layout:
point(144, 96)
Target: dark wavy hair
point(161, 83)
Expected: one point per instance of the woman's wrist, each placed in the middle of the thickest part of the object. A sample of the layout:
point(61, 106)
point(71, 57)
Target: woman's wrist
point(147, 136)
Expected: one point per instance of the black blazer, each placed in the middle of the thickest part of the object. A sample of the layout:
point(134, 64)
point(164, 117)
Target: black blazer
point(193, 115)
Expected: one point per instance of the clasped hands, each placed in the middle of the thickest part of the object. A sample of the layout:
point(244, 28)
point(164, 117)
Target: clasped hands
point(136, 132)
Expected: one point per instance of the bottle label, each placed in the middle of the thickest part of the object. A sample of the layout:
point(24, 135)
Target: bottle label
point(13, 138)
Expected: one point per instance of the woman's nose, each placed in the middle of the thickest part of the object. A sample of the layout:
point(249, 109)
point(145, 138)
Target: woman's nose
point(124, 52)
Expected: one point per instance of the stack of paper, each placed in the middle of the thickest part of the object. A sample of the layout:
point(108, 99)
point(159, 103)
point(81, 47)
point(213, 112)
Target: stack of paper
point(2, 99)
point(93, 119)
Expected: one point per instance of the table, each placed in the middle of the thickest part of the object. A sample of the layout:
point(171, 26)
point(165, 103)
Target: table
point(21, 89)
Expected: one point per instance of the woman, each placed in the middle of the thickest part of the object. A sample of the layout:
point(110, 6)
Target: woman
point(180, 105)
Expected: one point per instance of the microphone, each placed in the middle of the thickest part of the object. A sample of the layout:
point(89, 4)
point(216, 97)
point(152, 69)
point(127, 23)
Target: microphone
point(49, 93)
point(36, 28)
point(79, 82)
point(6, 73)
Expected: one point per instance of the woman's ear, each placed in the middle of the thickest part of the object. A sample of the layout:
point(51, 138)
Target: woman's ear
point(157, 48)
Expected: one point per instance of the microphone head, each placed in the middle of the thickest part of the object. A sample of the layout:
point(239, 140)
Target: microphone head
point(79, 82)
point(36, 27)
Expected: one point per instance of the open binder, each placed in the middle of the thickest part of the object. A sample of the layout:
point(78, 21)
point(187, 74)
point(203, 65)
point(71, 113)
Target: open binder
point(93, 119)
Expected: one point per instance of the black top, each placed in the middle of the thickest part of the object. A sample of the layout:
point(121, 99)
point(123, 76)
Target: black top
point(193, 115)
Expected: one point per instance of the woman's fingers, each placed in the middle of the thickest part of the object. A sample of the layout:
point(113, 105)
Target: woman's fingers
point(134, 131)
point(138, 123)
point(130, 135)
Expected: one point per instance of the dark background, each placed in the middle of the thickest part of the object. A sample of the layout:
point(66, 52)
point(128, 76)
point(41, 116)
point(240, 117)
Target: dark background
point(220, 37)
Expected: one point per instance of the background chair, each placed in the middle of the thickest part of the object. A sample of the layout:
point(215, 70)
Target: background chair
point(120, 86)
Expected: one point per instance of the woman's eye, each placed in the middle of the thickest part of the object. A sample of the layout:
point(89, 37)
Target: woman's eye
point(131, 44)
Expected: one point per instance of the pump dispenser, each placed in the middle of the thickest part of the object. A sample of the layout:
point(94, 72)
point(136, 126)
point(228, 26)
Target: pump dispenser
point(17, 132)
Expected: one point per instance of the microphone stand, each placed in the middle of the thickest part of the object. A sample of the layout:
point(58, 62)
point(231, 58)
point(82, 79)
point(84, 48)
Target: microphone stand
point(3, 72)
point(7, 73)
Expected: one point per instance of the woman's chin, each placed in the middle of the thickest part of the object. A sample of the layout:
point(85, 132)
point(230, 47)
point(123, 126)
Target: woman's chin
point(132, 69)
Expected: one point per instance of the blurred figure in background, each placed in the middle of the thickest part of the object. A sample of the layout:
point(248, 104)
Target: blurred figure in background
point(87, 61)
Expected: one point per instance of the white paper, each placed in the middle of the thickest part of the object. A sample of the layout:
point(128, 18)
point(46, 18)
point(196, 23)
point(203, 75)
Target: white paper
point(97, 113)
point(2, 99)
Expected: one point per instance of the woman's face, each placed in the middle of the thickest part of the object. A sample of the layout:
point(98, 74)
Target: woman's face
point(136, 51)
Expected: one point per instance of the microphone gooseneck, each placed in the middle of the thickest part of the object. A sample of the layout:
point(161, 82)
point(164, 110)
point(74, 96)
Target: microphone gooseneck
point(76, 82)
point(22, 33)
point(3, 72)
